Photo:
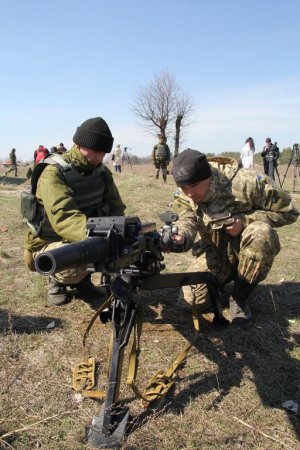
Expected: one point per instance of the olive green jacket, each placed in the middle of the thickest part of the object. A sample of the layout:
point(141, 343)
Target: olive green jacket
point(247, 193)
point(67, 221)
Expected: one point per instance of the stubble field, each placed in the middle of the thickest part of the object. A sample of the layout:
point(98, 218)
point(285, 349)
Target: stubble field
point(228, 394)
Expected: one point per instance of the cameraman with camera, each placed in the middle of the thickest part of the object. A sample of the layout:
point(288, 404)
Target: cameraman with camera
point(270, 155)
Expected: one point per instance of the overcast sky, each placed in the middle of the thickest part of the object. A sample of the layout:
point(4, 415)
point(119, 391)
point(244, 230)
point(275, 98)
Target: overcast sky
point(64, 61)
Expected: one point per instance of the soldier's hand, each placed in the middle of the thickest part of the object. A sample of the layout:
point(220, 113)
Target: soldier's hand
point(177, 244)
point(178, 238)
point(235, 228)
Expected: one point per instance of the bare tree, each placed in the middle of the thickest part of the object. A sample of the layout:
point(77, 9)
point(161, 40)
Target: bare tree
point(162, 104)
point(184, 109)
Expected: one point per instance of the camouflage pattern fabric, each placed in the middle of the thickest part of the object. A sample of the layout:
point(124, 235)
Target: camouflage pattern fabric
point(161, 163)
point(251, 255)
point(261, 206)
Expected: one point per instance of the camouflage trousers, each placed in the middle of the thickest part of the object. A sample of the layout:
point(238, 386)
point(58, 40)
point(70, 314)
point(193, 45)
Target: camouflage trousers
point(161, 165)
point(250, 256)
point(68, 276)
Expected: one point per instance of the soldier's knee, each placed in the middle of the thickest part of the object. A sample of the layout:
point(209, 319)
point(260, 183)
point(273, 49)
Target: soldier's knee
point(259, 246)
point(260, 240)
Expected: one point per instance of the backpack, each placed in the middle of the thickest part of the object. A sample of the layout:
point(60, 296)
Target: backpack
point(32, 211)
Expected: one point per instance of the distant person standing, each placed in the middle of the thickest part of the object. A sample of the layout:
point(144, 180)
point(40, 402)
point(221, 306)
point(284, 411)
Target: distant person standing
point(61, 149)
point(247, 154)
point(161, 156)
point(270, 155)
point(13, 162)
point(40, 153)
point(117, 158)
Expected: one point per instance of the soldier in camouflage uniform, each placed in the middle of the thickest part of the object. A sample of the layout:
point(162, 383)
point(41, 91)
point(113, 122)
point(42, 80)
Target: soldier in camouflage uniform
point(69, 195)
point(235, 212)
point(13, 163)
point(161, 156)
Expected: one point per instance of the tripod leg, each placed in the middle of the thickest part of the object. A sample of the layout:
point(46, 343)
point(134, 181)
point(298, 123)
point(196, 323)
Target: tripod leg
point(297, 161)
point(288, 166)
point(109, 427)
point(277, 173)
point(296, 172)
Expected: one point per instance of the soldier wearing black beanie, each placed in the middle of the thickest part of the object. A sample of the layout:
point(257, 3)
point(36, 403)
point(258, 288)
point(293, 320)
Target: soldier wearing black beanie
point(94, 134)
point(230, 210)
point(190, 167)
point(71, 188)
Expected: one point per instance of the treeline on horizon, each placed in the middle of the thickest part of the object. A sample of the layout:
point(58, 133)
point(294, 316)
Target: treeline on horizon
point(284, 158)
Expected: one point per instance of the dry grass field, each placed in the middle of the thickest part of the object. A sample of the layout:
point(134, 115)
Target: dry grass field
point(228, 394)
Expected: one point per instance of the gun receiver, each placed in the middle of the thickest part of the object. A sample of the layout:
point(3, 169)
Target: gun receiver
point(113, 243)
point(129, 255)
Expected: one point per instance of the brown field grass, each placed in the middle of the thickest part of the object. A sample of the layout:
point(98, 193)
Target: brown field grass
point(228, 394)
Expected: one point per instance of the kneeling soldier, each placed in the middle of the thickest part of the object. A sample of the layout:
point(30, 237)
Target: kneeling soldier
point(235, 212)
point(70, 189)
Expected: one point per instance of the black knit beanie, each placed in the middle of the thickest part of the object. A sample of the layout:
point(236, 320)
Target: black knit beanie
point(95, 135)
point(190, 167)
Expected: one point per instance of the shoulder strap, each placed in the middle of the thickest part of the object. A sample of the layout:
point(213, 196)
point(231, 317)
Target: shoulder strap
point(55, 160)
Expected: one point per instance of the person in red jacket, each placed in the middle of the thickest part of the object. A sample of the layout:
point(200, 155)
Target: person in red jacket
point(40, 153)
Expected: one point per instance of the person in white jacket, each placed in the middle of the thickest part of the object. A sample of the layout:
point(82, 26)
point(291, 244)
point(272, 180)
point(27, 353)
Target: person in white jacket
point(117, 158)
point(247, 154)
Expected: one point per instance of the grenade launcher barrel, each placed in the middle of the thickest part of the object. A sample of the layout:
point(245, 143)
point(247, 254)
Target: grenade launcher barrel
point(81, 253)
point(112, 244)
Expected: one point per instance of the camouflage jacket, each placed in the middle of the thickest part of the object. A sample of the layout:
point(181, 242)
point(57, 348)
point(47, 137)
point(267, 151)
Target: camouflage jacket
point(233, 191)
point(65, 217)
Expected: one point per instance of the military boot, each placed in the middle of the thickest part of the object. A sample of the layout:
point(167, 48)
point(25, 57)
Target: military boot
point(90, 293)
point(57, 293)
point(240, 312)
point(165, 178)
